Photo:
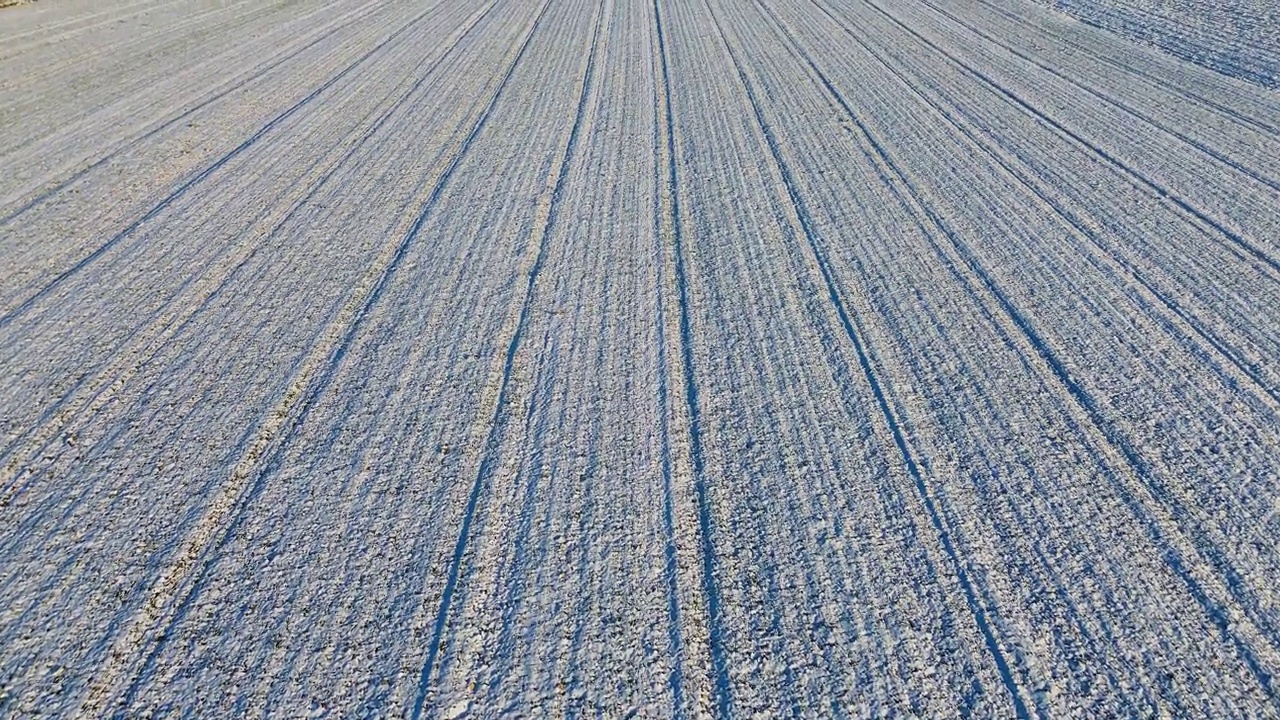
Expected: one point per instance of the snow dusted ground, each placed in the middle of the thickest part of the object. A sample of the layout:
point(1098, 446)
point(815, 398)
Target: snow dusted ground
point(609, 358)
point(1240, 38)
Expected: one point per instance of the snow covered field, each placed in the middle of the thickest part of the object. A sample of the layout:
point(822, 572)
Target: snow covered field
point(1240, 38)
point(632, 358)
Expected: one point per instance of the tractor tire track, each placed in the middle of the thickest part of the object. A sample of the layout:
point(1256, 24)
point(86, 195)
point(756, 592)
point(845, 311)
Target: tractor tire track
point(137, 349)
point(497, 423)
point(27, 304)
point(723, 700)
point(1121, 448)
point(976, 605)
point(237, 83)
point(310, 381)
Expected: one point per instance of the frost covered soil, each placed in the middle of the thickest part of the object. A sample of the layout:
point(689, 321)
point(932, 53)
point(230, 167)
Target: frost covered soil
point(621, 357)
point(1240, 38)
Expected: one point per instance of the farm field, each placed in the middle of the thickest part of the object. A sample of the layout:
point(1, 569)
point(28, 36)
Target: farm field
point(635, 358)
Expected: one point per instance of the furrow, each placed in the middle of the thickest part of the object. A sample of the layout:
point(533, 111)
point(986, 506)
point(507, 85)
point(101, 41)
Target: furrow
point(719, 666)
point(855, 337)
point(310, 380)
point(105, 247)
point(498, 420)
point(100, 386)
